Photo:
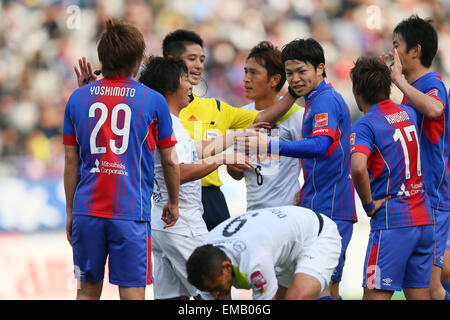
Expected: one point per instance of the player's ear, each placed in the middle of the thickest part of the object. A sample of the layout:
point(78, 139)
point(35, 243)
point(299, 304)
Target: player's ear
point(275, 80)
point(320, 68)
point(227, 266)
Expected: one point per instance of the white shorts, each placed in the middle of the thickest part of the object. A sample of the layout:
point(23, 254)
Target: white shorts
point(317, 259)
point(170, 253)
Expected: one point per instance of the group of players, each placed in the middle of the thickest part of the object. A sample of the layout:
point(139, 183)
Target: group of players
point(126, 140)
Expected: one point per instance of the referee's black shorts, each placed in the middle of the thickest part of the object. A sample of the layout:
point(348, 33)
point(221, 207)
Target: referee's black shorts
point(214, 206)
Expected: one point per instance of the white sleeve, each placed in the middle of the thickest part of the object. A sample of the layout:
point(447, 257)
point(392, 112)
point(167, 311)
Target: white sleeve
point(263, 279)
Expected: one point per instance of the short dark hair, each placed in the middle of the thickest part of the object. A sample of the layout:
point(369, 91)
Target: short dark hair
point(120, 49)
point(204, 263)
point(415, 31)
point(372, 79)
point(268, 56)
point(306, 50)
point(174, 44)
point(163, 74)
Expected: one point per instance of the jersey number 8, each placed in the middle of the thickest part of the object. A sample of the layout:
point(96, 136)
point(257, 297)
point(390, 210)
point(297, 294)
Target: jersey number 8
point(123, 132)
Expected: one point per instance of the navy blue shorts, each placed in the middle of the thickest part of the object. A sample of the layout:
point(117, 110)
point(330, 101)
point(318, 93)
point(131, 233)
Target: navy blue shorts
point(345, 229)
point(214, 206)
point(126, 244)
point(399, 258)
point(441, 230)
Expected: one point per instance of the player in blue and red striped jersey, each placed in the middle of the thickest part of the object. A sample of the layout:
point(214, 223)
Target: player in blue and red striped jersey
point(415, 44)
point(386, 168)
point(325, 147)
point(111, 128)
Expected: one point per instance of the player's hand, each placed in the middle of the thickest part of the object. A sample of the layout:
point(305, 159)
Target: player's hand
point(170, 215)
point(257, 144)
point(378, 203)
point(260, 125)
point(85, 75)
point(396, 67)
point(69, 221)
point(241, 161)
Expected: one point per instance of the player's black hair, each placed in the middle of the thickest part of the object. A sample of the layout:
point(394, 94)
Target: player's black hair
point(371, 78)
point(163, 74)
point(268, 56)
point(305, 50)
point(417, 31)
point(174, 44)
point(204, 263)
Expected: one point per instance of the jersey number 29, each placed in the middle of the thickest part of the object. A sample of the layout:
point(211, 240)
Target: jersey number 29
point(123, 132)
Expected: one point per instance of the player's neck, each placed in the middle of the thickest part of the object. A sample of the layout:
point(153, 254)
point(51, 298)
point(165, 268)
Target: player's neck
point(264, 102)
point(174, 108)
point(416, 73)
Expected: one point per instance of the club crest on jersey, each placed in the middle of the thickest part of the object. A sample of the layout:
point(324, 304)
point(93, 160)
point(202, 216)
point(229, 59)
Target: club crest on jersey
point(321, 119)
point(258, 281)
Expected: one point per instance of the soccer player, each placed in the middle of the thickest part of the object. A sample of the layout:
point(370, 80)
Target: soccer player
point(206, 118)
point(171, 247)
point(274, 182)
point(325, 146)
point(111, 129)
point(386, 167)
point(415, 44)
point(280, 253)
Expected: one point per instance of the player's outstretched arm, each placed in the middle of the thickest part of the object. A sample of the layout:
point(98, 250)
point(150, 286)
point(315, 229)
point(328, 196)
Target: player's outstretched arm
point(207, 148)
point(276, 110)
point(70, 185)
point(195, 171)
point(171, 172)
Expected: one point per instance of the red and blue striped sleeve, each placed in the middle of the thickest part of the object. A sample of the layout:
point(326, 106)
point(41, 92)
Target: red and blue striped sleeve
point(69, 131)
point(164, 136)
point(362, 138)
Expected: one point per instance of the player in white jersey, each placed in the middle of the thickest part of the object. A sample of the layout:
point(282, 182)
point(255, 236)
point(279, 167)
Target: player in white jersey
point(288, 252)
point(172, 246)
point(274, 181)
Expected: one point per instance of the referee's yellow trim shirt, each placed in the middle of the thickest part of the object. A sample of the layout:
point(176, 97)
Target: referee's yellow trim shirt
point(206, 118)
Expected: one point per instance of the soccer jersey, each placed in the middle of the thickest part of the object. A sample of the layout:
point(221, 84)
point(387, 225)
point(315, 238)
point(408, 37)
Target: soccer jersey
point(190, 221)
point(259, 241)
point(327, 187)
point(387, 134)
point(274, 182)
point(116, 125)
point(207, 118)
point(434, 141)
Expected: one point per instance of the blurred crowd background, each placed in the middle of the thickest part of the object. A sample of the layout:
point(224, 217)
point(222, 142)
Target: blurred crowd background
point(40, 42)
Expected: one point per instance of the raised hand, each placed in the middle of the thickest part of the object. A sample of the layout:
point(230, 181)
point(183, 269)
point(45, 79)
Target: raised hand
point(85, 75)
